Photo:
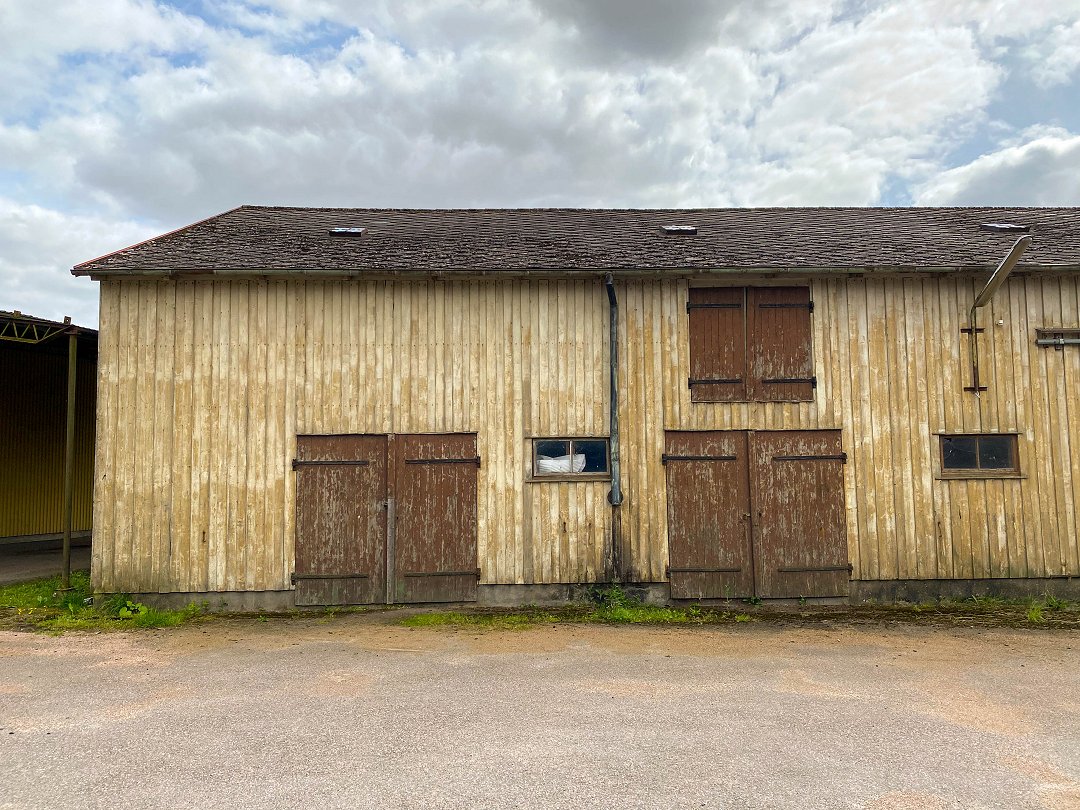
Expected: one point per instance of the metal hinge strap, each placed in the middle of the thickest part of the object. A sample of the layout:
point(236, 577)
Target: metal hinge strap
point(665, 458)
point(790, 381)
point(824, 568)
point(294, 577)
point(671, 570)
point(690, 383)
point(349, 463)
point(474, 460)
point(841, 457)
point(690, 306)
point(809, 305)
point(473, 573)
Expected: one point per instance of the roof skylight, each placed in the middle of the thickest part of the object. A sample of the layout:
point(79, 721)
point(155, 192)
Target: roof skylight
point(1004, 227)
point(353, 232)
point(681, 230)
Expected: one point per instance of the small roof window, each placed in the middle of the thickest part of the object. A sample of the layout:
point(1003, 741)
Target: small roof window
point(1004, 227)
point(353, 232)
point(680, 230)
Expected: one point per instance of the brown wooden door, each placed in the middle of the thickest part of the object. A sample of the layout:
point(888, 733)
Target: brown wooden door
point(800, 531)
point(708, 493)
point(781, 366)
point(717, 344)
point(340, 520)
point(435, 518)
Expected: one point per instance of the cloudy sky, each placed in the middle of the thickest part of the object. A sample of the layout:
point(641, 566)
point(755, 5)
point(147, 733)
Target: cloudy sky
point(122, 119)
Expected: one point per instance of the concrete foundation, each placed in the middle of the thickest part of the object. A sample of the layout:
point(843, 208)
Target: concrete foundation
point(650, 593)
point(929, 590)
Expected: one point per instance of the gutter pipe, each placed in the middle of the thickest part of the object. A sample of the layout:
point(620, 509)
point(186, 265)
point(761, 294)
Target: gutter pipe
point(615, 496)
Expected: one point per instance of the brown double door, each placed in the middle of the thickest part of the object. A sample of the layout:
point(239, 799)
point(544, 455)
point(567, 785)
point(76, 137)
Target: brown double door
point(385, 519)
point(756, 514)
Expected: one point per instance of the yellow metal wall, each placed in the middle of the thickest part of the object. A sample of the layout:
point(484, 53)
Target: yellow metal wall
point(204, 386)
point(33, 411)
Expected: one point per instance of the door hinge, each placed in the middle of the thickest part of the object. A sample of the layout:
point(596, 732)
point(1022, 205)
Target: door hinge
point(474, 460)
point(665, 458)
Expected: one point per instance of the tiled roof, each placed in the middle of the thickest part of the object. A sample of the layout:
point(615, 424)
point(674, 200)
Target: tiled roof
point(251, 238)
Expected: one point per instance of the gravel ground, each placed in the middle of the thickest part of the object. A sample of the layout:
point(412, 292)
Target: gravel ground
point(356, 712)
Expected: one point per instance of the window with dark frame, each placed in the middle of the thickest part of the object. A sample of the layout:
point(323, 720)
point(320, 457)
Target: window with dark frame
point(570, 458)
point(979, 454)
point(750, 344)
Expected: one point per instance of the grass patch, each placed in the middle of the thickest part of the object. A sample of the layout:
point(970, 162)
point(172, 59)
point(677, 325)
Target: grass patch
point(40, 605)
point(608, 606)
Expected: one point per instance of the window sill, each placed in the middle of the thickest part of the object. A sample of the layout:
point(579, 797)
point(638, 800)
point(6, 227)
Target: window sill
point(555, 479)
point(978, 475)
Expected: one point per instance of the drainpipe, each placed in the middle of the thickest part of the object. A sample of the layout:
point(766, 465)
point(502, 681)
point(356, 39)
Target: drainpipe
point(615, 496)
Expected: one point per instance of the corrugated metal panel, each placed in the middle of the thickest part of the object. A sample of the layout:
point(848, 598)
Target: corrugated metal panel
point(32, 425)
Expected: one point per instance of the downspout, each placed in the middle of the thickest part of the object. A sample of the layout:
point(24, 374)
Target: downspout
point(615, 496)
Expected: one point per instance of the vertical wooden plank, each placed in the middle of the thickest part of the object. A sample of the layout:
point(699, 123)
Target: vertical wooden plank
point(144, 563)
point(110, 330)
point(1070, 291)
point(899, 415)
point(161, 483)
point(1057, 466)
point(843, 322)
point(879, 392)
point(1043, 455)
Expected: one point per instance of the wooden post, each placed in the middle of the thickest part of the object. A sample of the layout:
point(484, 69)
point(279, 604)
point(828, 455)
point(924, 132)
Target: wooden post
point(69, 457)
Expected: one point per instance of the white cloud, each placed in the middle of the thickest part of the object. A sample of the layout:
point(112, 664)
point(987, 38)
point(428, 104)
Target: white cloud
point(1042, 169)
point(38, 247)
point(121, 111)
point(1056, 58)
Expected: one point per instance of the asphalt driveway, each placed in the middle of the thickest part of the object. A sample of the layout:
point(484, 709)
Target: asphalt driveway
point(355, 712)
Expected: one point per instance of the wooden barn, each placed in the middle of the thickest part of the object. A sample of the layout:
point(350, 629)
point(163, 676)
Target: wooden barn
point(336, 406)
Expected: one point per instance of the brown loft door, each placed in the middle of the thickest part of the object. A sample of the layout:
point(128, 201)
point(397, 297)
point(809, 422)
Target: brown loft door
point(340, 520)
point(779, 344)
point(800, 530)
point(435, 527)
point(717, 344)
point(708, 510)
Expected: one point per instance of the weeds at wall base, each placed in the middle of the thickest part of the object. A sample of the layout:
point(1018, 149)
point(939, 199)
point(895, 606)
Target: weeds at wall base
point(40, 605)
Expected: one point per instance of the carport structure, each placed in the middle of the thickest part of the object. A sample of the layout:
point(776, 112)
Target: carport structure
point(47, 371)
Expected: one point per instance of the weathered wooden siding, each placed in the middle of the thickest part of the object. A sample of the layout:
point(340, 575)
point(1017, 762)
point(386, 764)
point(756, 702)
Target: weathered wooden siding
point(203, 387)
point(891, 366)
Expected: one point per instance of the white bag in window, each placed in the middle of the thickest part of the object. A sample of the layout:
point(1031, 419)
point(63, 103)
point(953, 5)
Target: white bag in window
point(552, 465)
